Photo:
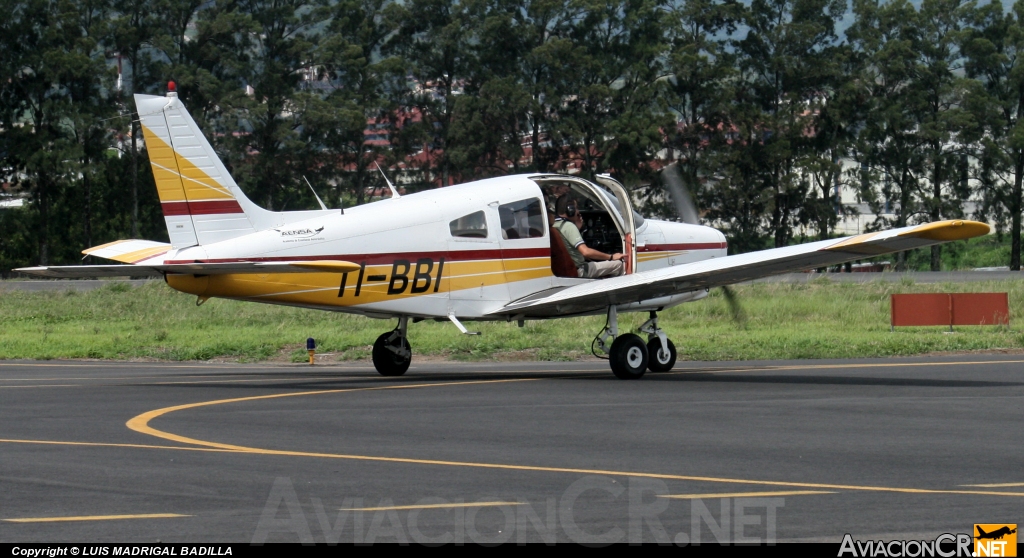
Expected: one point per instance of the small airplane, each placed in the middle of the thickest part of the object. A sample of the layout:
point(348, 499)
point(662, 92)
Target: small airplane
point(483, 250)
point(997, 534)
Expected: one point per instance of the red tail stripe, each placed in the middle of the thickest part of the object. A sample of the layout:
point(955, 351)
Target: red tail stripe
point(216, 207)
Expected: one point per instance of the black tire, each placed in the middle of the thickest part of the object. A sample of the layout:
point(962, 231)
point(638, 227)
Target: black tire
point(659, 362)
point(628, 357)
point(386, 361)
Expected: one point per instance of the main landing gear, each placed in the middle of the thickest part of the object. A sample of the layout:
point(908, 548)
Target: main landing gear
point(391, 351)
point(628, 355)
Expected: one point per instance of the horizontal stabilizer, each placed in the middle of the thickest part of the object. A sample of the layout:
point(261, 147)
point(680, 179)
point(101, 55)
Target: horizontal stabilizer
point(128, 251)
point(85, 271)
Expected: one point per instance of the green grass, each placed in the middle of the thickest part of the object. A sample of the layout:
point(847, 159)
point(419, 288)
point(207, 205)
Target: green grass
point(815, 320)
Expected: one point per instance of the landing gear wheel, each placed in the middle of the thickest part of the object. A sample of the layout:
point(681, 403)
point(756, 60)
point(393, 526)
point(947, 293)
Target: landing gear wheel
point(628, 357)
point(391, 354)
point(660, 362)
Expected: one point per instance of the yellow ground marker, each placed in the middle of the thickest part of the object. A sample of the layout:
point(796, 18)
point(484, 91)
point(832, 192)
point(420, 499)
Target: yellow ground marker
point(140, 424)
point(95, 518)
point(744, 494)
point(110, 445)
point(41, 386)
point(437, 506)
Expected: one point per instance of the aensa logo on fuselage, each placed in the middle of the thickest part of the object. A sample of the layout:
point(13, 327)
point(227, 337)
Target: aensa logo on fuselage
point(301, 232)
point(406, 277)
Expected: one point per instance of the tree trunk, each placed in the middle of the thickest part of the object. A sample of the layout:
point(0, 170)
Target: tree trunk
point(901, 218)
point(87, 186)
point(135, 176)
point(44, 221)
point(1015, 212)
point(538, 162)
point(936, 212)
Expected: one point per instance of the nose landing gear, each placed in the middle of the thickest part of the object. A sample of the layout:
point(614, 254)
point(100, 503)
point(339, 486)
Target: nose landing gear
point(391, 351)
point(660, 347)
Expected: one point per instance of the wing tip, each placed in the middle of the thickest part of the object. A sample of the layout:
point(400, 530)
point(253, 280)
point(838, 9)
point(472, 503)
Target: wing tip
point(945, 231)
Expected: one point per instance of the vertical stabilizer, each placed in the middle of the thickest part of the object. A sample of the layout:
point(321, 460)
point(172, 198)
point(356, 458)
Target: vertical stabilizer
point(200, 200)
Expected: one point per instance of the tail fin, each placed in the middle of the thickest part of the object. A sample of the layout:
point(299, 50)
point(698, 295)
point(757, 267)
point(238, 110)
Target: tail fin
point(981, 532)
point(201, 202)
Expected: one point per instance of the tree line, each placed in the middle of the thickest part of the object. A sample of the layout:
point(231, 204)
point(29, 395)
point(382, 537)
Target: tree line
point(769, 107)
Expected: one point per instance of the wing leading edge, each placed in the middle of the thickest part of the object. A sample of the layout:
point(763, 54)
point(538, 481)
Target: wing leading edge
point(718, 272)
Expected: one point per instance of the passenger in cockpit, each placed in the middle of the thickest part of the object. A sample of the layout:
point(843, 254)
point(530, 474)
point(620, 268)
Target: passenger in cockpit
point(568, 224)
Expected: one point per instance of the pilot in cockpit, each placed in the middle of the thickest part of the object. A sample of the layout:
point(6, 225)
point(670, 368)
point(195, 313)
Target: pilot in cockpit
point(568, 224)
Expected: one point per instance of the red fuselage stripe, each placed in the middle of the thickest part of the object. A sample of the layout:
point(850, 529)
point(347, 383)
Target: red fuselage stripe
point(453, 255)
point(375, 259)
point(673, 247)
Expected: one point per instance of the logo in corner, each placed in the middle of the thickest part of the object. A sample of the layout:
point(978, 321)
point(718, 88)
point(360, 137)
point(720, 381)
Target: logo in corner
point(995, 539)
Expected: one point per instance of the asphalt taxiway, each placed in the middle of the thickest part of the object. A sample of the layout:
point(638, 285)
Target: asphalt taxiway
point(492, 452)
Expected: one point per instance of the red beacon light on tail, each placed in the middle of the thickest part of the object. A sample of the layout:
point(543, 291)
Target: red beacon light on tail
point(171, 87)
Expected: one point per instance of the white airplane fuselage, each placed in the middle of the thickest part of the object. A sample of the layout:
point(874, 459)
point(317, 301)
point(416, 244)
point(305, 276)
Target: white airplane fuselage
point(413, 265)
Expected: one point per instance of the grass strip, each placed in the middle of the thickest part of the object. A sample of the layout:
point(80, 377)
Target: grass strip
point(820, 319)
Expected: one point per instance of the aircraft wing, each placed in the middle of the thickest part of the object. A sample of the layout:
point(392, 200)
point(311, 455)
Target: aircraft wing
point(717, 272)
point(158, 270)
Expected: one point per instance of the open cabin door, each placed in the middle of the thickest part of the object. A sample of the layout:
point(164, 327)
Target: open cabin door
point(608, 202)
point(623, 219)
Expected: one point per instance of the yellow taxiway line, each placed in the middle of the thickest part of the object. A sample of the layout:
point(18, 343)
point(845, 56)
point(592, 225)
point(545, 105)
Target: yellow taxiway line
point(110, 445)
point(997, 485)
point(94, 518)
point(436, 506)
point(744, 494)
point(140, 424)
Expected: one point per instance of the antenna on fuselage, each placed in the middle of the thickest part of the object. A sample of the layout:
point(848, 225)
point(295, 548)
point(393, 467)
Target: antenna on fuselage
point(318, 200)
point(394, 191)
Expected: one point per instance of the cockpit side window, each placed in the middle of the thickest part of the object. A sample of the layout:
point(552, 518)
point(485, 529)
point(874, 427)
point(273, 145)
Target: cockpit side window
point(521, 219)
point(473, 225)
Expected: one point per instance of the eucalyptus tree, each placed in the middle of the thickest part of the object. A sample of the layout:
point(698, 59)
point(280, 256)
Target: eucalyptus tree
point(359, 85)
point(993, 46)
point(698, 92)
point(611, 114)
point(890, 148)
point(273, 79)
point(57, 92)
point(132, 28)
point(436, 38)
point(788, 65)
point(947, 128)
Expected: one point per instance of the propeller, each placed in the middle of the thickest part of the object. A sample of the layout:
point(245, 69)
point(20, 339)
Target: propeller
point(686, 209)
point(738, 315)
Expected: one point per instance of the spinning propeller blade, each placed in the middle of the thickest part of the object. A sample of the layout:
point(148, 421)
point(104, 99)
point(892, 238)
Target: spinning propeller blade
point(687, 211)
point(681, 198)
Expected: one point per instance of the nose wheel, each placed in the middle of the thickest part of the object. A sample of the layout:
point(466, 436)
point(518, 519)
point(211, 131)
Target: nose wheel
point(660, 359)
point(391, 351)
